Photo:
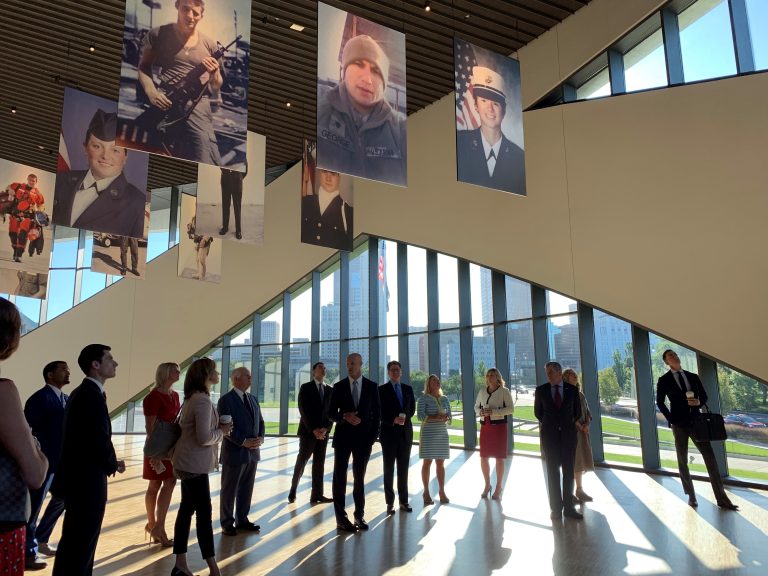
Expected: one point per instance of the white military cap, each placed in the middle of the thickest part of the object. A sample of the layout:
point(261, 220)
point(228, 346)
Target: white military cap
point(488, 84)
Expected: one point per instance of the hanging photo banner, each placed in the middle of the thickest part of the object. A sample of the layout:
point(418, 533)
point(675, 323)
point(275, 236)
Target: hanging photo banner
point(230, 203)
point(326, 204)
point(184, 80)
point(26, 236)
point(199, 254)
point(100, 186)
point(120, 255)
point(489, 119)
point(361, 98)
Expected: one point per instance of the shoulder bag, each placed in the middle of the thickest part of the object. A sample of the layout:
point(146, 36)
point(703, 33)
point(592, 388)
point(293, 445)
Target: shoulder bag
point(163, 438)
point(708, 426)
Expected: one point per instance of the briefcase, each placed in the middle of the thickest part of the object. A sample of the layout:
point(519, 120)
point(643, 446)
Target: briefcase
point(708, 427)
point(162, 440)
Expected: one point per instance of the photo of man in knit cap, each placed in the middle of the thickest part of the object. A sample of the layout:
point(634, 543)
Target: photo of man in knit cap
point(361, 104)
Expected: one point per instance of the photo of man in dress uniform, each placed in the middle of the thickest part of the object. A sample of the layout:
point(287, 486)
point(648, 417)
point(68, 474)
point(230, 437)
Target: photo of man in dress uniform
point(487, 106)
point(361, 126)
point(184, 92)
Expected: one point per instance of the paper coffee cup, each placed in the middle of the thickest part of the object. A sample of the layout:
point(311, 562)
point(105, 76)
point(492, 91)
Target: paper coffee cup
point(225, 419)
point(689, 394)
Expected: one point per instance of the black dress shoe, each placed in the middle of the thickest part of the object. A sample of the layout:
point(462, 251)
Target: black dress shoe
point(361, 523)
point(692, 502)
point(291, 498)
point(573, 513)
point(345, 525)
point(728, 506)
point(405, 507)
point(238, 235)
point(223, 230)
point(229, 531)
point(321, 500)
point(134, 271)
point(32, 564)
point(390, 510)
point(249, 527)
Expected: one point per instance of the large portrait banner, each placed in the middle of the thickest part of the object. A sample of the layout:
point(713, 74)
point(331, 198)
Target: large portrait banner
point(230, 203)
point(100, 186)
point(326, 204)
point(361, 97)
point(184, 79)
point(26, 237)
point(489, 119)
point(199, 254)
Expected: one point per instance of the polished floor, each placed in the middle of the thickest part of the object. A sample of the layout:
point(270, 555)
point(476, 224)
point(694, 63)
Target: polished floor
point(638, 524)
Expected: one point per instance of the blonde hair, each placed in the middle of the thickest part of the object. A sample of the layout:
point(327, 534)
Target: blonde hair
point(163, 372)
point(439, 386)
point(568, 372)
point(499, 379)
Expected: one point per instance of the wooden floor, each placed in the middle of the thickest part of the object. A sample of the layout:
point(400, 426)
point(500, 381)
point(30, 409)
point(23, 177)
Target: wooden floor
point(637, 524)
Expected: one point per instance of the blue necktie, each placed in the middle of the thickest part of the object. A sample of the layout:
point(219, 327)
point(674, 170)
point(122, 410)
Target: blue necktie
point(399, 394)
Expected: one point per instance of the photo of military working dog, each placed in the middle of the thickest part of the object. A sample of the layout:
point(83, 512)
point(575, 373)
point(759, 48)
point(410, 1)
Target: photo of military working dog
point(184, 79)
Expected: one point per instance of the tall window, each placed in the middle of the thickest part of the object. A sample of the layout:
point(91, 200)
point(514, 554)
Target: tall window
point(358, 292)
point(706, 40)
point(330, 313)
point(645, 65)
point(563, 331)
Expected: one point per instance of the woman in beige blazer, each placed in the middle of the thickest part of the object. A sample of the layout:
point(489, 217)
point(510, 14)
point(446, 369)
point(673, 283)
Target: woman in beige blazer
point(193, 459)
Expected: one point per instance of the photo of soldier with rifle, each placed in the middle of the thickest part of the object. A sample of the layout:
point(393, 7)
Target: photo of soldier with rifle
point(184, 94)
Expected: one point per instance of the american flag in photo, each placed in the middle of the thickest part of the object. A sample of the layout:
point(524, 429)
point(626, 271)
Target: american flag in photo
point(466, 115)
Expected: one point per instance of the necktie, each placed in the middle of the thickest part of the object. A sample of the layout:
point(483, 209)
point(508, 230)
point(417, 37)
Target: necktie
point(83, 199)
point(491, 162)
point(248, 405)
point(683, 383)
point(355, 393)
point(63, 401)
point(558, 398)
point(320, 391)
point(399, 394)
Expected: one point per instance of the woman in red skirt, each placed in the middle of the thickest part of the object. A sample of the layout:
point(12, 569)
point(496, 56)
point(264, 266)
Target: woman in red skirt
point(493, 405)
point(162, 403)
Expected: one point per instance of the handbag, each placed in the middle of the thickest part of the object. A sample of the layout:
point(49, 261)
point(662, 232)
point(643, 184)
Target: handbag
point(708, 427)
point(163, 438)
point(15, 504)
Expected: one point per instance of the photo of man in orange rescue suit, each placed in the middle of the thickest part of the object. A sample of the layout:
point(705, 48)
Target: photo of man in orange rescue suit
point(27, 200)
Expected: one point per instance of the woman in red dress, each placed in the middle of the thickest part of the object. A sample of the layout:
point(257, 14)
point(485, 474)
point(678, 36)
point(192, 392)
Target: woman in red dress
point(162, 403)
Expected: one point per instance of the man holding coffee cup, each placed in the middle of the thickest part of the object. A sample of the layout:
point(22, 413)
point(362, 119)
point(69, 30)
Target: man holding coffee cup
point(397, 408)
point(686, 395)
point(239, 453)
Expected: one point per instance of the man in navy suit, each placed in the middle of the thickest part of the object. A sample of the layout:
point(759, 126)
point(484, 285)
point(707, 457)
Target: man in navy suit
point(100, 198)
point(314, 427)
point(355, 409)
point(557, 408)
point(87, 458)
point(686, 395)
point(485, 156)
point(44, 411)
point(239, 454)
point(397, 408)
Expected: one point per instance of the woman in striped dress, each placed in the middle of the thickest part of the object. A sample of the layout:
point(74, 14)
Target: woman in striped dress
point(434, 411)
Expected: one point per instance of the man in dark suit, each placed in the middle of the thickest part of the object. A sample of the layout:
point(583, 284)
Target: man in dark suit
point(397, 408)
point(100, 198)
point(314, 427)
point(557, 408)
point(485, 156)
point(232, 195)
point(87, 458)
point(355, 409)
point(44, 411)
point(240, 454)
point(686, 395)
point(326, 219)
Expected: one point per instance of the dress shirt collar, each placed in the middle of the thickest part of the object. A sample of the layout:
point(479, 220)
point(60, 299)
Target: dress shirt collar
point(240, 393)
point(99, 384)
point(317, 383)
point(101, 185)
point(57, 391)
point(325, 197)
point(487, 147)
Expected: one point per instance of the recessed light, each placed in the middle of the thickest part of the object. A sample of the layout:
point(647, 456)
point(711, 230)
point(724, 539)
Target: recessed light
point(92, 48)
point(13, 109)
point(40, 147)
point(297, 27)
point(427, 6)
point(466, 16)
point(288, 104)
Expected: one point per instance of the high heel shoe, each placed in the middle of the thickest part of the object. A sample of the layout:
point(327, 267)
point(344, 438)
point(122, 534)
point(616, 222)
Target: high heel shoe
point(428, 500)
point(158, 537)
point(496, 495)
point(485, 492)
point(176, 571)
point(148, 532)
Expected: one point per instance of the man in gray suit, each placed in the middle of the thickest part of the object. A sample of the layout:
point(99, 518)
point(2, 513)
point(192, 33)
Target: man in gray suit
point(239, 454)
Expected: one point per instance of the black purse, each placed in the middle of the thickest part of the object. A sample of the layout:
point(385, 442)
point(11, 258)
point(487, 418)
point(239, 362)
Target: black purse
point(163, 438)
point(708, 427)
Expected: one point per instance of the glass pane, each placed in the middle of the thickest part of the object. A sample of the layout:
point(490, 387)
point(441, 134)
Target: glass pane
point(483, 353)
point(270, 368)
point(518, 299)
point(93, 283)
point(301, 314)
point(388, 350)
point(88, 251)
point(329, 355)
point(645, 65)
point(361, 346)
point(330, 309)
point(481, 294)
point(448, 283)
point(559, 304)
point(271, 332)
point(242, 337)
point(224, 385)
point(159, 221)
point(617, 390)
point(450, 376)
point(522, 382)
point(597, 86)
point(239, 356)
point(358, 292)
point(29, 308)
point(658, 345)
point(563, 335)
point(64, 247)
point(299, 371)
point(757, 13)
point(61, 291)
point(387, 275)
point(706, 40)
point(418, 360)
point(744, 404)
point(417, 289)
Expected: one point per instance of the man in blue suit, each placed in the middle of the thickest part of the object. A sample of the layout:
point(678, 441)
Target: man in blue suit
point(45, 414)
point(239, 454)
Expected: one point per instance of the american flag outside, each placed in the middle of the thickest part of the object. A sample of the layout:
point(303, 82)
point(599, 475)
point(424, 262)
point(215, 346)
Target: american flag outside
point(464, 58)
